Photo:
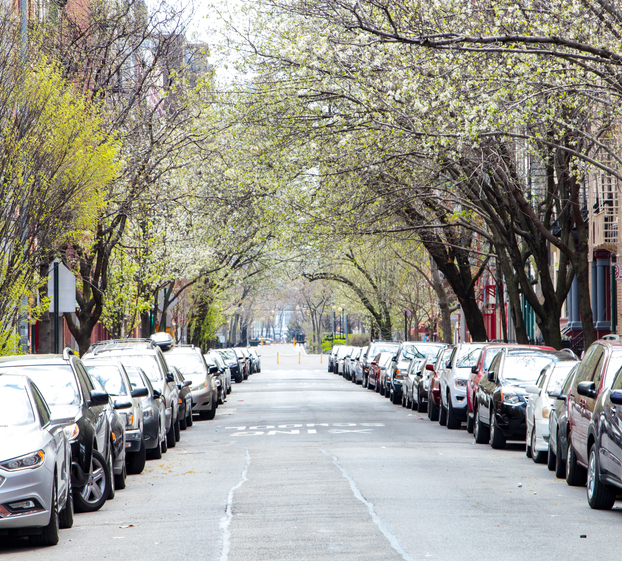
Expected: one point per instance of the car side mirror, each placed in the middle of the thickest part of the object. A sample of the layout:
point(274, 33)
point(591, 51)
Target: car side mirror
point(394, 359)
point(474, 369)
point(157, 394)
point(448, 364)
point(429, 367)
point(99, 398)
point(587, 389)
point(616, 397)
point(122, 404)
point(140, 392)
point(533, 389)
point(213, 369)
point(170, 377)
point(490, 376)
point(186, 384)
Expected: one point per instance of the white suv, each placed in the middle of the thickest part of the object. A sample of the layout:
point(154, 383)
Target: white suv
point(453, 383)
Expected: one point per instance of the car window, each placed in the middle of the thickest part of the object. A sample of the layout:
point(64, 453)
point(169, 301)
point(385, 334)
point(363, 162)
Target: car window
point(524, 367)
point(15, 407)
point(468, 357)
point(489, 356)
point(617, 380)
point(42, 408)
point(56, 382)
point(559, 376)
point(615, 362)
point(148, 363)
point(494, 365)
point(109, 376)
point(591, 359)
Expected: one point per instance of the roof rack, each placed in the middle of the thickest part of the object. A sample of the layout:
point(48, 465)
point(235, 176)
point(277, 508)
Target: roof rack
point(67, 352)
point(119, 342)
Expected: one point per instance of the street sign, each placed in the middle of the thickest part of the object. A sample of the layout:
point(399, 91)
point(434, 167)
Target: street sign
point(66, 289)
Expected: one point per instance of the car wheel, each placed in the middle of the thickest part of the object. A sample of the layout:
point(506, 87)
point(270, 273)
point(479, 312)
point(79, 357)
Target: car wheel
point(93, 495)
point(177, 431)
point(136, 460)
point(49, 534)
point(560, 465)
point(422, 407)
point(119, 479)
point(469, 424)
point(599, 496)
point(528, 446)
point(156, 453)
point(404, 399)
point(183, 423)
point(538, 457)
point(113, 491)
point(442, 416)
point(433, 411)
point(575, 474)
point(551, 459)
point(189, 419)
point(164, 445)
point(480, 432)
point(452, 421)
point(497, 440)
point(394, 399)
point(170, 436)
point(65, 517)
point(381, 390)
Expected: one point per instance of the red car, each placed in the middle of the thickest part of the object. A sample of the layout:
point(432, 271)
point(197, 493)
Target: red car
point(488, 353)
point(378, 368)
point(434, 390)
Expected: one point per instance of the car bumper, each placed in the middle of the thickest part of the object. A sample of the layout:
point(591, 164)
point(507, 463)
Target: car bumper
point(35, 485)
point(150, 433)
point(202, 399)
point(512, 422)
point(133, 439)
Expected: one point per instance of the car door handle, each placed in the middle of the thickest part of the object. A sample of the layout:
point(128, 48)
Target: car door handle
point(613, 410)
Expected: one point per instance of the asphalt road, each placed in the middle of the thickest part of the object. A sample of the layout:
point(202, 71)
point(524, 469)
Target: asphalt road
point(300, 464)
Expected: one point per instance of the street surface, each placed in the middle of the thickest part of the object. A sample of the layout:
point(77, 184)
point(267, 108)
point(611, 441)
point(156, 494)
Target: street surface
point(301, 464)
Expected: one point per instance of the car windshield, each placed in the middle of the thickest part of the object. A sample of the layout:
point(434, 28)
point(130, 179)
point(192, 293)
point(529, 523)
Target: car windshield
point(420, 351)
point(230, 355)
point(490, 354)
point(15, 406)
point(468, 357)
point(385, 359)
point(558, 376)
point(217, 359)
point(525, 367)
point(615, 363)
point(110, 377)
point(149, 364)
point(192, 366)
point(55, 381)
point(380, 348)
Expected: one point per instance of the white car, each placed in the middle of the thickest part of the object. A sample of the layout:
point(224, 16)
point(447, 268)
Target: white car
point(35, 465)
point(539, 405)
point(453, 383)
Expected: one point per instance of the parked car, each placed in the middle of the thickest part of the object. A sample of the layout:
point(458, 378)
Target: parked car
point(331, 358)
point(71, 394)
point(243, 362)
point(154, 413)
point(434, 387)
point(539, 405)
point(558, 428)
point(112, 376)
point(357, 372)
point(218, 375)
point(146, 354)
point(501, 397)
point(408, 383)
point(185, 398)
point(35, 465)
point(453, 383)
point(223, 369)
point(604, 468)
point(343, 352)
point(592, 378)
point(488, 353)
point(191, 362)
point(231, 360)
point(378, 369)
point(373, 349)
point(407, 352)
point(256, 359)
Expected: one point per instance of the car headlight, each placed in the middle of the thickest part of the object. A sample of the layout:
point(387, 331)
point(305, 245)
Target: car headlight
point(511, 399)
point(71, 431)
point(459, 383)
point(29, 461)
point(148, 413)
point(129, 419)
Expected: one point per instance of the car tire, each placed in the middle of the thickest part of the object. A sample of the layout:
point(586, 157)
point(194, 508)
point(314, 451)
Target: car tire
point(433, 411)
point(599, 496)
point(49, 534)
point(404, 399)
point(560, 465)
point(170, 436)
point(113, 490)
point(65, 516)
point(452, 421)
point(183, 423)
point(497, 440)
point(136, 460)
point(576, 476)
point(421, 406)
point(469, 424)
point(155, 453)
point(177, 431)
point(189, 419)
point(442, 415)
point(381, 389)
point(119, 479)
point(528, 446)
point(480, 432)
point(164, 445)
point(537, 457)
point(93, 495)
point(551, 459)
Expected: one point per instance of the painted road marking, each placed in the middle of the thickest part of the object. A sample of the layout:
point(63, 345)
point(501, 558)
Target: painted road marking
point(302, 428)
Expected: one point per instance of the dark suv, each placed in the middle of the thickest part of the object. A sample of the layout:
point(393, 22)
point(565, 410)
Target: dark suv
point(71, 394)
point(373, 350)
point(145, 354)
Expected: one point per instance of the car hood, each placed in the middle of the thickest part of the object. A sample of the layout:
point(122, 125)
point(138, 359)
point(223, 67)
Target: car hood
point(17, 441)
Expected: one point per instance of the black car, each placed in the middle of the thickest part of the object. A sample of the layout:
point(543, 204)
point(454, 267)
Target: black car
point(231, 360)
point(71, 394)
point(501, 398)
point(558, 429)
point(185, 399)
point(604, 468)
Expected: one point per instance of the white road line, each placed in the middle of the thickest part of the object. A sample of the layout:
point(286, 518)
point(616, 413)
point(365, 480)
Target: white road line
point(226, 519)
point(395, 544)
